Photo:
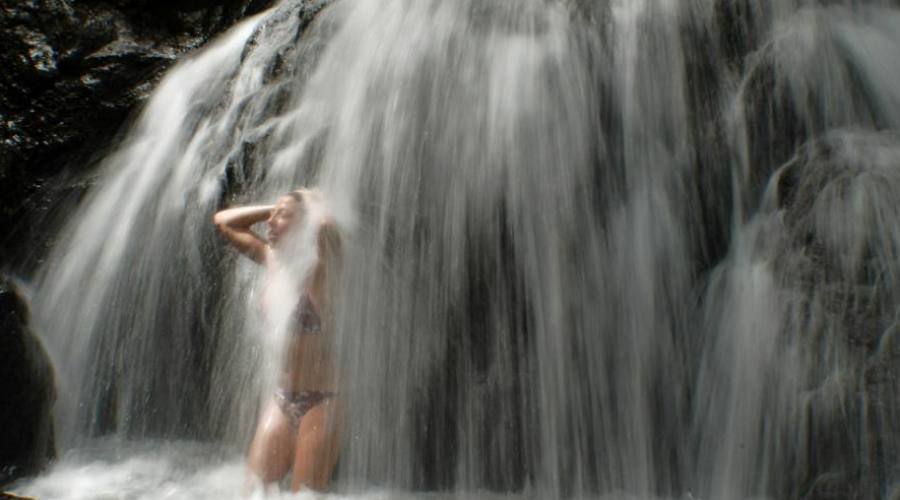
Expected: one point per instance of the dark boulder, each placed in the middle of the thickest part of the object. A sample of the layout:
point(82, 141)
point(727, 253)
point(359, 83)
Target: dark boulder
point(27, 391)
point(811, 76)
point(838, 200)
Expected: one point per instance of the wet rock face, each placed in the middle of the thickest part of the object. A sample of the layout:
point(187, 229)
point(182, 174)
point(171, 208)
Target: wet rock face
point(72, 74)
point(27, 391)
point(838, 202)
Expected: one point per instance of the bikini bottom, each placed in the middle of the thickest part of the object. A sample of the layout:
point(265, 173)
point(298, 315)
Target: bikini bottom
point(295, 404)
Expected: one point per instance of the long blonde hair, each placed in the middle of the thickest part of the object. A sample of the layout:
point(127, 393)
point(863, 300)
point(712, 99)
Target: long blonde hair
point(328, 251)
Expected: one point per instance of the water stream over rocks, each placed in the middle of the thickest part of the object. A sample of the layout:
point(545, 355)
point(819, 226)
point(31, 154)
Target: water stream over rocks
point(627, 249)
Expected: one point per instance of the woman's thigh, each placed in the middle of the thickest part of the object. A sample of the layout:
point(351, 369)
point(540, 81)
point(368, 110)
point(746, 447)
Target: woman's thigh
point(317, 447)
point(272, 447)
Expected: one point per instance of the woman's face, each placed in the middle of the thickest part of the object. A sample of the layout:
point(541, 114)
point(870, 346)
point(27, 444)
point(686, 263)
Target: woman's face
point(286, 212)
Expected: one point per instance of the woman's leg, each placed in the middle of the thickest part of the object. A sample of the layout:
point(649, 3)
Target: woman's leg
point(271, 450)
point(317, 447)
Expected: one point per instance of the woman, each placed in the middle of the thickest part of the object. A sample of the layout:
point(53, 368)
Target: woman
point(297, 428)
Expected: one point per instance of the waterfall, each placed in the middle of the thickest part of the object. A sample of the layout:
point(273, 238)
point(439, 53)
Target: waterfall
point(639, 248)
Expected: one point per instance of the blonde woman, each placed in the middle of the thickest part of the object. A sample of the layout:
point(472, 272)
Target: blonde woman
point(297, 429)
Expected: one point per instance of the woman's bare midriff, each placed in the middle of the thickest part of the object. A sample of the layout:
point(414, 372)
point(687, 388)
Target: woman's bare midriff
point(308, 365)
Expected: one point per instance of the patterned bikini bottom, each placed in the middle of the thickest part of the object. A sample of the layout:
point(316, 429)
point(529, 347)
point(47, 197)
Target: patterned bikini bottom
point(295, 404)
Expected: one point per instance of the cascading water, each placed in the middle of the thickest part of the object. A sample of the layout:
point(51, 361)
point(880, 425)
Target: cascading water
point(639, 248)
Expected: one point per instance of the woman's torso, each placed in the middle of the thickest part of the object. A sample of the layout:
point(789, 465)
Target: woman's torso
point(307, 362)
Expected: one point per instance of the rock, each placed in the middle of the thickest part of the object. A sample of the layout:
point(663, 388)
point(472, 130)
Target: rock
point(27, 391)
point(814, 75)
point(838, 201)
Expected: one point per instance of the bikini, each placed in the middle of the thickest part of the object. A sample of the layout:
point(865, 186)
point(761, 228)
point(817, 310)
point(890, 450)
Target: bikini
point(295, 404)
point(306, 320)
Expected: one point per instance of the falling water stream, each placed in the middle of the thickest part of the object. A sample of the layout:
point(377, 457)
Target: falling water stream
point(629, 249)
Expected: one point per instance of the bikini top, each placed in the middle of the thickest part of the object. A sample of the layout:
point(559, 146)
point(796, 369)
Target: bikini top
point(306, 319)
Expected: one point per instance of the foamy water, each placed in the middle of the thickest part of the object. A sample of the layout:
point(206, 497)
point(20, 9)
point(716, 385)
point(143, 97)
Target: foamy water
point(113, 469)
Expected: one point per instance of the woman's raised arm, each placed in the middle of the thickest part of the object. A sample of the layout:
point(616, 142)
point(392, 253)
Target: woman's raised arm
point(234, 224)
